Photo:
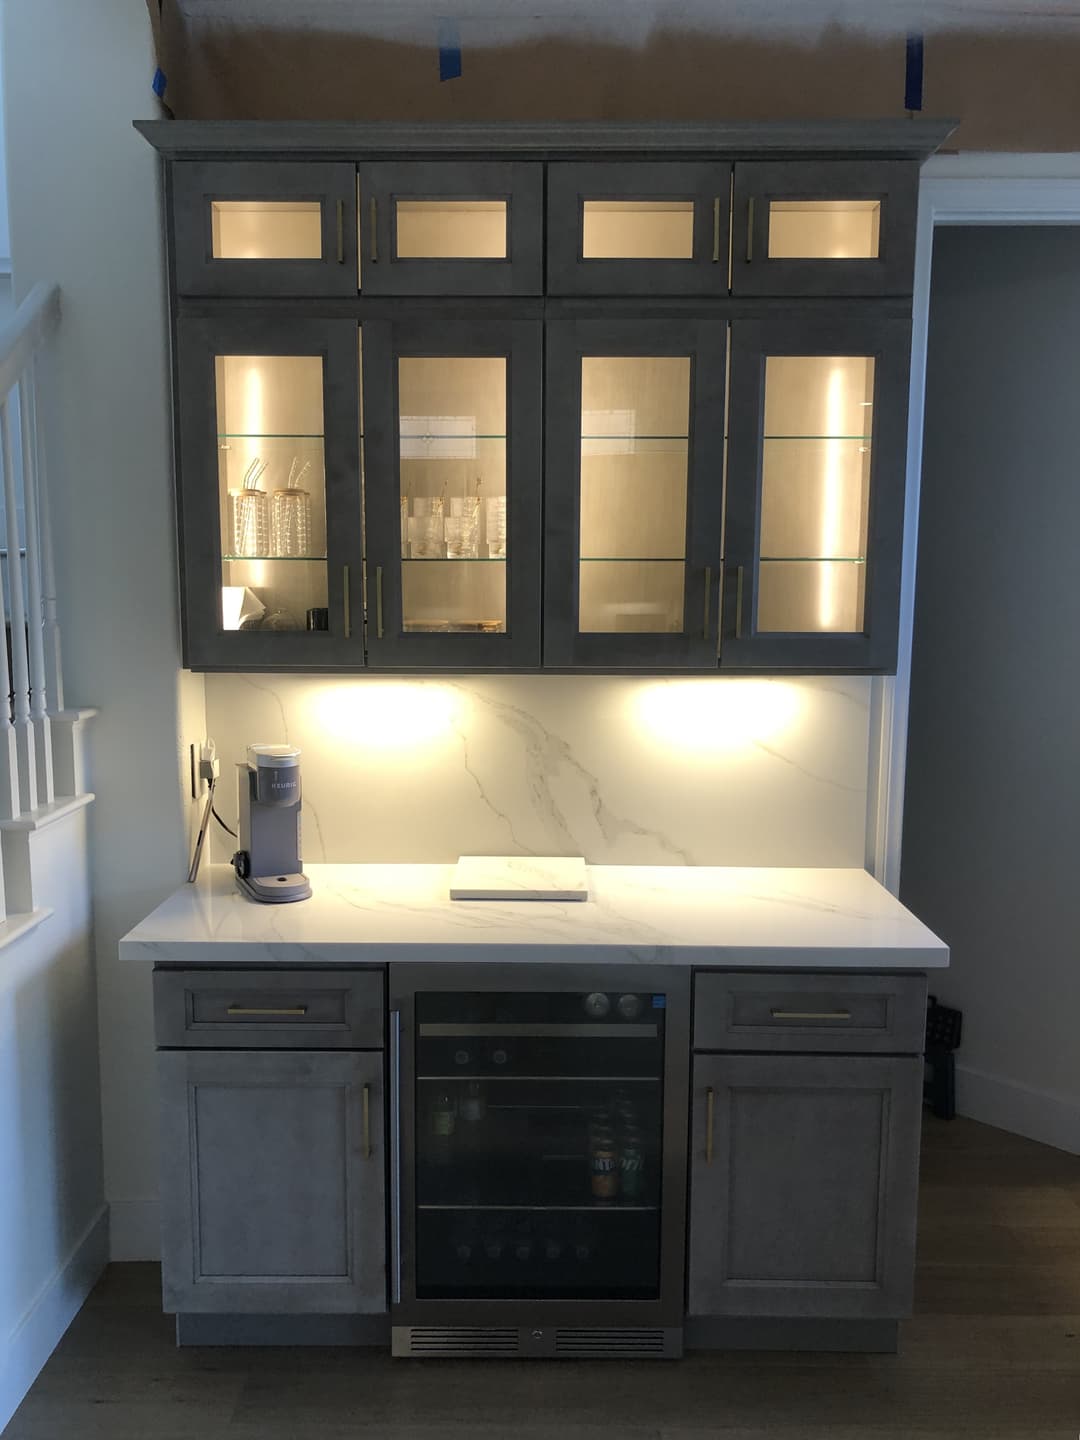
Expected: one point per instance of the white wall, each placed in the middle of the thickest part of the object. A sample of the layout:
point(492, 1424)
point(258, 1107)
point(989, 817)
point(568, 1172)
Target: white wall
point(85, 213)
point(620, 770)
point(993, 786)
point(53, 1234)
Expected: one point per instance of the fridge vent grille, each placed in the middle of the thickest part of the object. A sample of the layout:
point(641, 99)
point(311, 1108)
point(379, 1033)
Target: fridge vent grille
point(609, 1342)
point(462, 1340)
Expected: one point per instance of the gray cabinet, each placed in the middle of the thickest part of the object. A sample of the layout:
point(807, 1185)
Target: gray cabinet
point(814, 515)
point(803, 1185)
point(824, 227)
point(269, 491)
point(633, 495)
point(272, 1181)
point(638, 228)
point(264, 228)
point(445, 227)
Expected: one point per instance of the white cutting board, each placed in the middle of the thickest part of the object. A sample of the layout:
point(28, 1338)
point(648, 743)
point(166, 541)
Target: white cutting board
point(519, 877)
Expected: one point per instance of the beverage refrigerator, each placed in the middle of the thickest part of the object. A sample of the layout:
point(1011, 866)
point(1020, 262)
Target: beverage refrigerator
point(538, 1158)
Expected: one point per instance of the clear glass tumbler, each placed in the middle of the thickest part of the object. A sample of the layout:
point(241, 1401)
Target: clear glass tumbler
point(290, 523)
point(495, 511)
point(250, 523)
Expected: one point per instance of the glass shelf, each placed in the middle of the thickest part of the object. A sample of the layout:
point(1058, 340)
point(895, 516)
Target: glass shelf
point(433, 435)
point(453, 559)
point(611, 435)
point(268, 435)
point(595, 1207)
point(277, 559)
point(633, 559)
point(864, 438)
point(813, 559)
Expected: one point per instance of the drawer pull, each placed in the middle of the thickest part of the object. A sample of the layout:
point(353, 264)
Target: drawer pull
point(366, 1103)
point(716, 230)
point(750, 231)
point(810, 1014)
point(341, 232)
point(374, 231)
point(710, 1109)
point(267, 1010)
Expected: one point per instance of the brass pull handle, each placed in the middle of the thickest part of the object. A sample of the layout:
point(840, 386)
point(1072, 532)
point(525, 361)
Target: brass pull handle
point(750, 230)
point(346, 606)
point(708, 597)
point(341, 232)
point(716, 230)
point(378, 602)
point(374, 212)
point(266, 1010)
point(366, 1105)
point(738, 602)
point(710, 1110)
point(810, 1014)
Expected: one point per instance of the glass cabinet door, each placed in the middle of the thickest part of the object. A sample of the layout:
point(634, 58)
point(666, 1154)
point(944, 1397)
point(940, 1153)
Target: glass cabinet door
point(264, 228)
point(824, 227)
point(634, 492)
point(448, 228)
point(815, 493)
point(270, 493)
point(452, 492)
point(648, 228)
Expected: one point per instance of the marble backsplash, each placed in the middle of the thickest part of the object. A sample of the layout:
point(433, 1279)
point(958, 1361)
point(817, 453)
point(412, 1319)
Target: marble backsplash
point(622, 770)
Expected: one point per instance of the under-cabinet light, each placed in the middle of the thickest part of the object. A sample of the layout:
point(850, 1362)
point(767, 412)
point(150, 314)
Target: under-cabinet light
point(706, 715)
point(385, 714)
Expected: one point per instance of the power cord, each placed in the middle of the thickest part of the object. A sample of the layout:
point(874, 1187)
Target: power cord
point(210, 771)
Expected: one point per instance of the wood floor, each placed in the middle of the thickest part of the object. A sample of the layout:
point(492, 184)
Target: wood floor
point(993, 1352)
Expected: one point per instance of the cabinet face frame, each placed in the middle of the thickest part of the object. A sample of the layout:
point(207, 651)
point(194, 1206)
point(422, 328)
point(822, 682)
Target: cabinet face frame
point(362, 1289)
point(706, 183)
point(519, 184)
point(452, 335)
point(263, 332)
point(195, 184)
point(895, 183)
point(569, 339)
point(713, 1288)
point(888, 340)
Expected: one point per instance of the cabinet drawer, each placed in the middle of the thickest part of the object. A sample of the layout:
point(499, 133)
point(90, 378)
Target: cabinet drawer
point(830, 1013)
point(269, 1009)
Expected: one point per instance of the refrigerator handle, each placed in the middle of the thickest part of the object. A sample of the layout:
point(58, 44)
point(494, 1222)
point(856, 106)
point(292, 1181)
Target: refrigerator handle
point(395, 1154)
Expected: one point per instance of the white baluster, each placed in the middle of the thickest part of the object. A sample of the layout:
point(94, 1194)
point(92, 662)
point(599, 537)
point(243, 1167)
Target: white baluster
point(53, 658)
point(39, 713)
point(9, 760)
point(24, 729)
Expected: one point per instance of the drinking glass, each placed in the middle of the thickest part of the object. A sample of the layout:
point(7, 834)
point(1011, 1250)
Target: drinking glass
point(290, 523)
point(495, 509)
point(250, 522)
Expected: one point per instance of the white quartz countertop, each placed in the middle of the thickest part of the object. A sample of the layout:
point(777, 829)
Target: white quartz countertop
point(374, 914)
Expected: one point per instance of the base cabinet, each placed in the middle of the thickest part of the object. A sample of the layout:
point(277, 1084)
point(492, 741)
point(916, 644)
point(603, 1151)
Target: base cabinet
point(803, 1185)
point(273, 1194)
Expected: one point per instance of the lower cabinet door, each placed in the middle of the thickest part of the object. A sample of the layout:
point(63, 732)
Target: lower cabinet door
point(803, 1185)
point(272, 1181)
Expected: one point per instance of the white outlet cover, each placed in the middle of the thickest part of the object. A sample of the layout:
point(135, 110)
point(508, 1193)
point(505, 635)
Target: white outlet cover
point(519, 877)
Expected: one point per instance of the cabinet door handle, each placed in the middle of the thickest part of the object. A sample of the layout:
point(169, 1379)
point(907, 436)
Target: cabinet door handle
point(750, 230)
point(716, 230)
point(373, 209)
point(738, 601)
point(266, 1010)
point(395, 1153)
point(365, 1101)
point(705, 615)
point(710, 1110)
point(341, 232)
point(810, 1014)
point(346, 606)
point(378, 602)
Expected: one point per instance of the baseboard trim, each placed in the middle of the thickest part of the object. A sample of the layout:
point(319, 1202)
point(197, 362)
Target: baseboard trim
point(51, 1312)
point(1041, 1115)
point(134, 1230)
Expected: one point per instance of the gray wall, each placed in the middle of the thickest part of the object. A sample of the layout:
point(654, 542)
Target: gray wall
point(991, 858)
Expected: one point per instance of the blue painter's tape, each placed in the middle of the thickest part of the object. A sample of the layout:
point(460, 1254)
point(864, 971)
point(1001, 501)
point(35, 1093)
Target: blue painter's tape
point(449, 50)
point(913, 74)
point(159, 82)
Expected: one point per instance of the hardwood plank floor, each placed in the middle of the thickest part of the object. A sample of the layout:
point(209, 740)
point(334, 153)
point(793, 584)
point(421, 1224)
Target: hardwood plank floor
point(993, 1351)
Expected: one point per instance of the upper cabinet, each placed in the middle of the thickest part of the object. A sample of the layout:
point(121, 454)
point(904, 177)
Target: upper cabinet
point(827, 227)
point(562, 397)
point(451, 228)
point(264, 228)
point(648, 228)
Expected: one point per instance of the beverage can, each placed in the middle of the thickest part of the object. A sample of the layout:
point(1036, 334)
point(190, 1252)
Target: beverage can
point(604, 1163)
point(632, 1168)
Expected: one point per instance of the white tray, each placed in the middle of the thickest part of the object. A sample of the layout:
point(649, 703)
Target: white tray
point(519, 877)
